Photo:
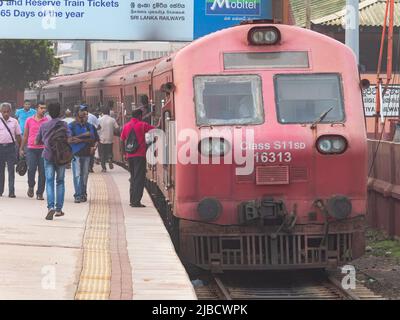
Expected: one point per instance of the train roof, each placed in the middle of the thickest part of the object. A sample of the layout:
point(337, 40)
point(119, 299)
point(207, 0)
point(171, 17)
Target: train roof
point(131, 72)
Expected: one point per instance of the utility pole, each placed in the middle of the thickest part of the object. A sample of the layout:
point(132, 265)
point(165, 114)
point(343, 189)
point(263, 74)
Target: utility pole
point(381, 87)
point(307, 5)
point(353, 26)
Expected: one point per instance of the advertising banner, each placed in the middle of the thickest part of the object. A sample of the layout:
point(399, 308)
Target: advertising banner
point(163, 20)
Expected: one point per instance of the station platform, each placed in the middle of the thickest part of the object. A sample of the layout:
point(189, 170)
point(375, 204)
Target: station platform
point(102, 249)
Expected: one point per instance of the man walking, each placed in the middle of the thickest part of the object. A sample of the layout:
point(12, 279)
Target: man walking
point(10, 133)
point(94, 121)
point(68, 117)
point(55, 174)
point(24, 113)
point(137, 160)
point(34, 151)
point(107, 126)
point(84, 144)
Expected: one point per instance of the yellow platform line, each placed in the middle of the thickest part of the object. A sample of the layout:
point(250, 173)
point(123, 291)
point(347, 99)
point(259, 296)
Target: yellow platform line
point(94, 281)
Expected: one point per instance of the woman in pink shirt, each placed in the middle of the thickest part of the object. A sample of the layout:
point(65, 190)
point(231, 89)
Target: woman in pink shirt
point(34, 152)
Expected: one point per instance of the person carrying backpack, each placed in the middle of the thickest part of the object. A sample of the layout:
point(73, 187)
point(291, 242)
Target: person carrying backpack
point(84, 144)
point(133, 134)
point(55, 136)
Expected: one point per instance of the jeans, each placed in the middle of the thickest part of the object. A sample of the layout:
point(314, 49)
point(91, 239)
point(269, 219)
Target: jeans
point(91, 162)
point(80, 170)
point(7, 156)
point(106, 153)
point(35, 162)
point(137, 169)
point(51, 170)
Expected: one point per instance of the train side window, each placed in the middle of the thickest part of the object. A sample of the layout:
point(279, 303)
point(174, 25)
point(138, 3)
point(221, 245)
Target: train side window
point(135, 96)
point(303, 98)
point(101, 97)
point(160, 97)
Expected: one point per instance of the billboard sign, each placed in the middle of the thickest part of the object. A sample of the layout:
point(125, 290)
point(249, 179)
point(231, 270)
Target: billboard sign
point(213, 15)
point(164, 20)
point(391, 102)
point(226, 8)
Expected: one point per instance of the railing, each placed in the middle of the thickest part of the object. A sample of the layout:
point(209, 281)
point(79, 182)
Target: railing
point(384, 187)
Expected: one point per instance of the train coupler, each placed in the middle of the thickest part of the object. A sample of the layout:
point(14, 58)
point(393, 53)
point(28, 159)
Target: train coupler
point(267, 212)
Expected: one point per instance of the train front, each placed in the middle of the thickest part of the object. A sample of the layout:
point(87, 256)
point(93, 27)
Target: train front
point(280, 181)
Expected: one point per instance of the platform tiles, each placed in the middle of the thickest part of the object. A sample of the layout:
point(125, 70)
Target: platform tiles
point(157, 272)
point(99, 250)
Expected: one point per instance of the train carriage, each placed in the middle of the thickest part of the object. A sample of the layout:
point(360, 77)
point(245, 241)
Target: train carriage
point(266, 125)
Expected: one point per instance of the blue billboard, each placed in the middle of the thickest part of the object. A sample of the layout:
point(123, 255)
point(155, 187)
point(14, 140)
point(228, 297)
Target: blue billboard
point(162, 20)
point(213, 15)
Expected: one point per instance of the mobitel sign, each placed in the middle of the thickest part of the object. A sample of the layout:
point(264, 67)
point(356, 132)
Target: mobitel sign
point(234, 7)
point(172, 20)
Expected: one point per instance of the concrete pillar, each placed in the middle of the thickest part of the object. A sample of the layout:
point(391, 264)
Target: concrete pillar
point(353, 26)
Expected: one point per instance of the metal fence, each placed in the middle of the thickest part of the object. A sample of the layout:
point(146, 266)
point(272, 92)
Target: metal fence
point(384, 187)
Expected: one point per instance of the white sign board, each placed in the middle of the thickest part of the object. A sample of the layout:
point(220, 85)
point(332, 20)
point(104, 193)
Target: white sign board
point(165, 20)
point(391, 102)
point(97, 19)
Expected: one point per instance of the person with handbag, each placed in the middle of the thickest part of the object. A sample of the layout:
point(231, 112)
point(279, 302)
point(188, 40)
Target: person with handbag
point(10, 133)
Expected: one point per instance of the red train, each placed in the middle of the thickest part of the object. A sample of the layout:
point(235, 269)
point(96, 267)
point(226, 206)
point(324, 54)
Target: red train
point(266, 125)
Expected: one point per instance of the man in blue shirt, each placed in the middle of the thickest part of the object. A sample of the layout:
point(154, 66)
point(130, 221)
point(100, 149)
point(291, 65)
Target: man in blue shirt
point(24, 113)
point(84, 144)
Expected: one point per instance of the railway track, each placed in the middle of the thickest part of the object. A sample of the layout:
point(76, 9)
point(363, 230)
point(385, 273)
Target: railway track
point(280, 286)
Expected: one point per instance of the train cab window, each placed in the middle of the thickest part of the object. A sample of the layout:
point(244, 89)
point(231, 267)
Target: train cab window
point(303, 98)
point(228, 100)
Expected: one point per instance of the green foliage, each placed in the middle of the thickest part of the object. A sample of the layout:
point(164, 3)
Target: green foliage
point(23, 62)
point(381, 244)
point(391, 246)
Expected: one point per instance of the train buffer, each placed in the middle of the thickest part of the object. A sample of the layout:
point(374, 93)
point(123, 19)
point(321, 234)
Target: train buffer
point(102, 249)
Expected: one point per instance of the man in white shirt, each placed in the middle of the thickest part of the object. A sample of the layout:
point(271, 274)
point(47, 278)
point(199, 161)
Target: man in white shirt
point(92, 119)
point(68, 117)
point(10, 134)
point(107, 127)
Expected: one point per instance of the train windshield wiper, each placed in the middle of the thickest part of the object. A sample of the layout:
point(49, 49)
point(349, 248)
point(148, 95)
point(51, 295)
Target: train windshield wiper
point(321, 118)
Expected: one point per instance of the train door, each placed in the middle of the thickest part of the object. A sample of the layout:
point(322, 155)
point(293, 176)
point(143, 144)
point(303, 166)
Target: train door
point(60, 99)
point(169, 154)
point(101, 97)
point(135, 97)
point(121, 95)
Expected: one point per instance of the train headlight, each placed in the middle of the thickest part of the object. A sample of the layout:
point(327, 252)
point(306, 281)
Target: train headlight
point(331, 144)
point(264, 36)
point(209, 209)
point(339, 207)
point(215, 147)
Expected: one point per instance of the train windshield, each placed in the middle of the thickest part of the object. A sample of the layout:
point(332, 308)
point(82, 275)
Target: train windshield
point(303, 98)
point(228, 100)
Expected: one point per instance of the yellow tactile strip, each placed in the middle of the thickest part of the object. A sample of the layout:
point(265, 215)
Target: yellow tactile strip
point(94, 282)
